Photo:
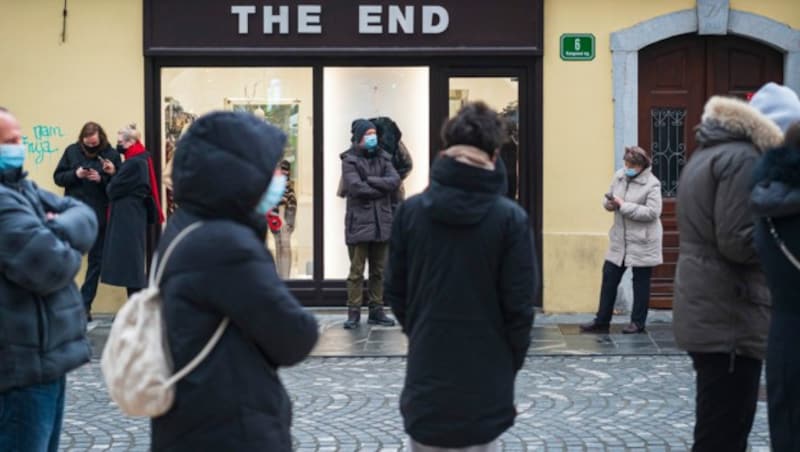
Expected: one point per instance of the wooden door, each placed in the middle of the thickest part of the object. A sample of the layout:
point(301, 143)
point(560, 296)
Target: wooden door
point(676, 77)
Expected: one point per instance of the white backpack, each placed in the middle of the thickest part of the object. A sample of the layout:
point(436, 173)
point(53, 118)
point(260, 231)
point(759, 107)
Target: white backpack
point(136, 362)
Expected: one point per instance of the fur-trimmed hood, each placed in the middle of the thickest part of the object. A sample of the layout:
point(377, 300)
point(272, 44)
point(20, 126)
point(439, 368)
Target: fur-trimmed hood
point(776, 179)
point(729, 119)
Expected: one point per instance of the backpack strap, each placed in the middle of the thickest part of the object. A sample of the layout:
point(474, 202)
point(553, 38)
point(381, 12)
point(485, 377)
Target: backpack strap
point(157, 268)
point(157, 271)
point(772, 230)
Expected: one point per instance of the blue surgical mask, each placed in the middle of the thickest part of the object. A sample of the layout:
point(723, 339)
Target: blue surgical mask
point(12, 156)
point(631, 172)
point(371, 141)
point(273, 195)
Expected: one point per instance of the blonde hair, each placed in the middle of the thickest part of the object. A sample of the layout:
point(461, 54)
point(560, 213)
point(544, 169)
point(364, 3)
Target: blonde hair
point(130, 132)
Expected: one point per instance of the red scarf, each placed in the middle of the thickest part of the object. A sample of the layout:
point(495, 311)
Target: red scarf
point(136, 149)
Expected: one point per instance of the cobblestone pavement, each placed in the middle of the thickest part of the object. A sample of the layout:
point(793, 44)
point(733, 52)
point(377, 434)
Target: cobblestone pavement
point(350, 404)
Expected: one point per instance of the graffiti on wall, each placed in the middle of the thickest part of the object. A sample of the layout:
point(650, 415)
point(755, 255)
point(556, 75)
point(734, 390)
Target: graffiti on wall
point(41, 143)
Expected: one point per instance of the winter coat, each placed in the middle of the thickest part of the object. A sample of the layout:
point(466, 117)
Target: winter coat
point(777, 196)
point(636, 236)
point(369, 182)
point(42, 319)
point(124, 250)
point(91, 193)
point(461, 279)
point(721, 302)
point(234, 400)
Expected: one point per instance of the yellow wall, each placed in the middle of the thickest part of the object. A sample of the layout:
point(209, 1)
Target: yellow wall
point(97, 74)
point(579, 138)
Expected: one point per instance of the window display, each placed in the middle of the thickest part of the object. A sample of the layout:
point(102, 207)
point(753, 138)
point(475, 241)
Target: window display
point(282, 96)
point(397, 98)
point(502, 94)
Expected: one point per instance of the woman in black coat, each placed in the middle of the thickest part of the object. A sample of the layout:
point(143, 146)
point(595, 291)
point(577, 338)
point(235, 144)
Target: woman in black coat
point(234, 401)
point(131, 203)
point(776, 200)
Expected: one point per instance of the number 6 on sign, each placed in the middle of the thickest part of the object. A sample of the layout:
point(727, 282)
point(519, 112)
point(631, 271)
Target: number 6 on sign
point(577, 44)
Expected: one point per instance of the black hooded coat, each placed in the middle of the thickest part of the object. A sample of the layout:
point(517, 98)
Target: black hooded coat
point(234, 400)
point(462, 279)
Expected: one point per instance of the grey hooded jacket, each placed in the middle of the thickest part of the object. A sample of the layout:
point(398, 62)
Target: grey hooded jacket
point(42, 319)
point(721, 300)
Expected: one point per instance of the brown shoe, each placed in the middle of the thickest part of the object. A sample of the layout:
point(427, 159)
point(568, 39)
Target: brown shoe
point(633, 328)
point(594, 328)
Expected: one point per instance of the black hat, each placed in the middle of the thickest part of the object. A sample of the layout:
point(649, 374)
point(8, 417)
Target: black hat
point(359, 128)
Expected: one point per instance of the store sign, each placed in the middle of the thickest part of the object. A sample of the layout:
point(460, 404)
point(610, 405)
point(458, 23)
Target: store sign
point(228, 26)
point(577, 47)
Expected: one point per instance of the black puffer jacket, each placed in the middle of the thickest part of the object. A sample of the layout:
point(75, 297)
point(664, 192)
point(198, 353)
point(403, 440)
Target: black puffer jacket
point(91, 193)
point(461, 280)
point(234, 400)
point(722, 301)
point(42, 319)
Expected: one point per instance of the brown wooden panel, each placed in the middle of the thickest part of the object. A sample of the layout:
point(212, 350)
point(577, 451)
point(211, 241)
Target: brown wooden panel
point(664, 271)
point(739, 66)
point(682, 73)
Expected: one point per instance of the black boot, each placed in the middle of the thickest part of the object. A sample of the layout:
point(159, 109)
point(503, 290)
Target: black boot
point(594, 328)
point(353, 318)
point(378, 317)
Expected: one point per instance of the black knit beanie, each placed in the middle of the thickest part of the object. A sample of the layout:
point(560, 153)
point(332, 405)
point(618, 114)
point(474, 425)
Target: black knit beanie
point(359, 128)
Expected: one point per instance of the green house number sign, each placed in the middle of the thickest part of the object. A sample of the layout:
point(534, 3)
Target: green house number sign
point(577, 47)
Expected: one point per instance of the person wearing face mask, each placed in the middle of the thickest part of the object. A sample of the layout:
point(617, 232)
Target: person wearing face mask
point(369, 181)
point(42, 320)
point(133, 205)
point(286, 210)
point(234, 400)
point(80, 171)
point(635, 240)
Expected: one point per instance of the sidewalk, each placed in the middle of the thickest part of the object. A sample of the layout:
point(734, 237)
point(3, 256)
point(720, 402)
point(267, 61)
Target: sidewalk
point(553, 335)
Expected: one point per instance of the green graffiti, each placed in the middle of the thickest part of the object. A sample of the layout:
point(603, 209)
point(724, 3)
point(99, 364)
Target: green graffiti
point(41, 145)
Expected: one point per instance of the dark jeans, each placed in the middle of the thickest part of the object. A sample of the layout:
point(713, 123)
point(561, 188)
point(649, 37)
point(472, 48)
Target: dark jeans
point(376, 253)
point(95, 261)
point(612, 275)
point(783, 375)
point(30, 417)
point(727, 391)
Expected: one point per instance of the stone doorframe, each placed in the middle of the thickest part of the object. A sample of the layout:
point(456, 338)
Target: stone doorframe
point(710, 17)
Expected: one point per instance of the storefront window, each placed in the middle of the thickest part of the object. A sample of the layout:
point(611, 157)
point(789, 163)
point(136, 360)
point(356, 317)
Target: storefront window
point(399, 93)
point(502, 94)
point(283, 96)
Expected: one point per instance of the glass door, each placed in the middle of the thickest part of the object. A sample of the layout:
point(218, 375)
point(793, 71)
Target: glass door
point(502, 94)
